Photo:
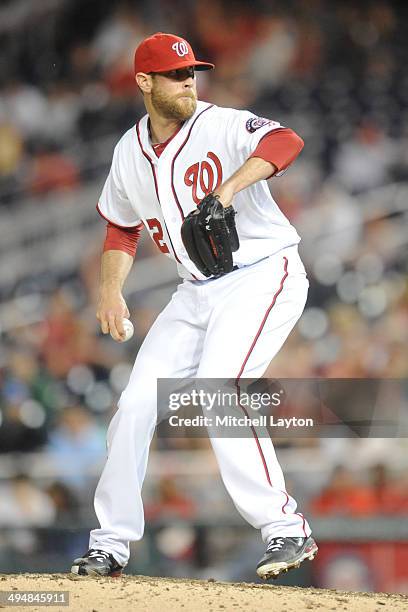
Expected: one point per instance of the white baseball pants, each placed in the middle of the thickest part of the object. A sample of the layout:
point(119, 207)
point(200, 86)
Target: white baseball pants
point(222, 328)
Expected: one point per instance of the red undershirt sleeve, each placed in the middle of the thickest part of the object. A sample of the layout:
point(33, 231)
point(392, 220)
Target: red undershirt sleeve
point(279, 147)
point(122, 238)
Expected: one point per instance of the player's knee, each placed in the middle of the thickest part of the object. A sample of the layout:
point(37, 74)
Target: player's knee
point(138, 407)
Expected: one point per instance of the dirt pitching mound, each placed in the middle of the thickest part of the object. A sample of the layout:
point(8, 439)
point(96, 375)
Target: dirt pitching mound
point(140, 594)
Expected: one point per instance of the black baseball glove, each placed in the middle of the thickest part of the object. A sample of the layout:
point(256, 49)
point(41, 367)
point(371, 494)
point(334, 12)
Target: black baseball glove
point(210, 237)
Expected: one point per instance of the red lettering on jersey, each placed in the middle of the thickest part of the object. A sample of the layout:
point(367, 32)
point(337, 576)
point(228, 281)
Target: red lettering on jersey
point(206, 170)
point(156, 228)
point(191, 179)
point(205, 175)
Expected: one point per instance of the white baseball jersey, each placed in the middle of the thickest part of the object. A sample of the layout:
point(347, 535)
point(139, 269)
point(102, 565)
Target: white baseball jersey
point(159, 192)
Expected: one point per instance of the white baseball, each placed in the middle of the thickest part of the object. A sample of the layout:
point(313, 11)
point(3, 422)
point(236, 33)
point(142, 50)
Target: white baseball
point(129, 329)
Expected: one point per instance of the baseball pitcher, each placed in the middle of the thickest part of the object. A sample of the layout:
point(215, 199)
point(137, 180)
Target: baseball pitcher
point(194, 176)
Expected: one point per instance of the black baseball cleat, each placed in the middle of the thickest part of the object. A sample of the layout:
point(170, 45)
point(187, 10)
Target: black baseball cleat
point(284, 554)
point(97, 562)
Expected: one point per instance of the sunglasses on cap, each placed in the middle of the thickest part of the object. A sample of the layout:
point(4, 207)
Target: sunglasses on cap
point(179, 74)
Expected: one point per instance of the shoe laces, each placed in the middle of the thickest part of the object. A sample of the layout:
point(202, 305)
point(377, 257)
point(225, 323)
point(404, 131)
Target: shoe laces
point(275, 544)
point(101, 555)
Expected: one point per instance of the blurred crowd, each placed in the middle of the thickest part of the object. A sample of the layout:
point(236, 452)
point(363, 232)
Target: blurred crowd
point(336, 69)
point(334, 72)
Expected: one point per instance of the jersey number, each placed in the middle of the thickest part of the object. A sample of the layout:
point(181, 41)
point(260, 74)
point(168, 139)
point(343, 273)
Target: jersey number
point(156, 228)
point(204, 177)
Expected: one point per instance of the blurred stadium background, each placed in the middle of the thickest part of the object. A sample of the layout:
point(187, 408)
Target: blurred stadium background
point(336, 73)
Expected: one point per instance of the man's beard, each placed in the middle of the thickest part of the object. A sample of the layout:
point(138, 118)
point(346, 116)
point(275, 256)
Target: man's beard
point(180, 109)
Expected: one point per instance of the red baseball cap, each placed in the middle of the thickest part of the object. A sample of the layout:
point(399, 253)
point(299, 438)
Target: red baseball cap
point(162, 52)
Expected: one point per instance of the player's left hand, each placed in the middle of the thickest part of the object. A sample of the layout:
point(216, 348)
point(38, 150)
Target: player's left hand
point(210, 237)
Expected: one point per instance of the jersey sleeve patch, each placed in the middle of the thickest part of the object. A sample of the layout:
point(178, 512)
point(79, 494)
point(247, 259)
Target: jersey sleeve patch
point(254, 123)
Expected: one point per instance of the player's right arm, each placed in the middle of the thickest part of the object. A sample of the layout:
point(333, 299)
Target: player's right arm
point(123, 233)
point(112, 308)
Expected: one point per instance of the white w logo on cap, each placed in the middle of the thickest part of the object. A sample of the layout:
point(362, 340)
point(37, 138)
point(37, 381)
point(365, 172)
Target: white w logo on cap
point(180, 48)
